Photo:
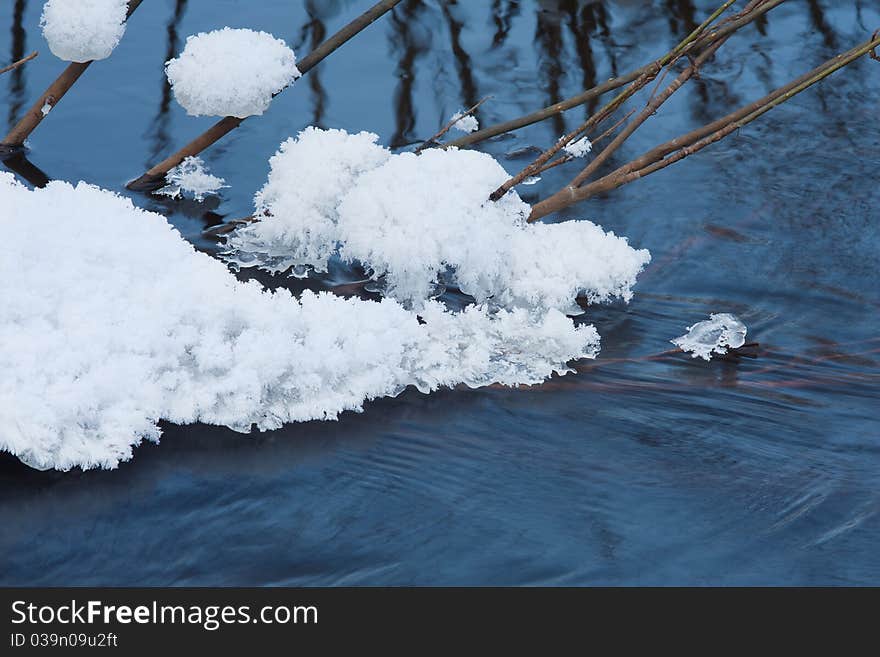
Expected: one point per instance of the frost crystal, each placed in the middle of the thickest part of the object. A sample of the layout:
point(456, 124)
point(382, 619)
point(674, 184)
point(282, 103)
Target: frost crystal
point(414, 219)
point(83, 30)
point(231, 72)
point(112, 322)
point(578, 148)
point(191, 176)
point(717, 334)
point(465, 123)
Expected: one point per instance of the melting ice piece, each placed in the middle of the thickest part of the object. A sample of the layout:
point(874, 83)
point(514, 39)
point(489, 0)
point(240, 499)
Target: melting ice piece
point(78, 31)
point(722, 331)
point(465, 123)
point(191, 176)
point(231, 72)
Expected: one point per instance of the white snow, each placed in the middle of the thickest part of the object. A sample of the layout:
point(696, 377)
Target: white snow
point(231, 72)
point(411, 218)
point(83, 30)
point(464, 123)
point(111, 322)
point(45, 109)
point(305, 181)
point(192, 176)
point(722, 331)
point(578, 148)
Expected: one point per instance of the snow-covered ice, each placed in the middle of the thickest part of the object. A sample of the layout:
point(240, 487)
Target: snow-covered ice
point(410, 219)
point(231, 72)
point(722, 331)
point(83, 30)
point(465, 123)
point(192, 177)
point(578, 148)
point(112, 321)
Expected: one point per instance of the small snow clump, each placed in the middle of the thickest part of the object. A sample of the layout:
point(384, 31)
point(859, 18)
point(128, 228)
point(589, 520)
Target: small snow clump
point(231, 72)
point(465, 123)
point(578, 148)
point(83, 30)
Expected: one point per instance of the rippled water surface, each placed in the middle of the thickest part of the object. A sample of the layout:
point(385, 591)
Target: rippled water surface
point(642, 468)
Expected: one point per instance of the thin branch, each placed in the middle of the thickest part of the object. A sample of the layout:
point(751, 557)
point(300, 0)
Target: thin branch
point(650, 73)
point(651, 70)
point(15, 65)
point(155, 177)
point(696, 140)
point(548, 112)
point(434, 140)
point(51, 97)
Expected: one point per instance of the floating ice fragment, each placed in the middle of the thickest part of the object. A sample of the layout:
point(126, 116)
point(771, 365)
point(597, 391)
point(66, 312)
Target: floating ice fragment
point(83, 30)
point(722, 331)
point(531, 180)
point(112, 322)
point(191, 176)
point(465, 123)
point(578, 148)
point(231, 72)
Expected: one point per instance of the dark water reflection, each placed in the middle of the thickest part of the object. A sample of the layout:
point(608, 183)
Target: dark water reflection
point(643, 468)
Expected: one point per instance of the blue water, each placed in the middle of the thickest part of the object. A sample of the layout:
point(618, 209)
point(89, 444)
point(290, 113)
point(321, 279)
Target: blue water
point(641, 468)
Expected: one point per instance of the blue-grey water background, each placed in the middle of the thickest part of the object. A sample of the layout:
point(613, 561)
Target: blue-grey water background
point(635, 470)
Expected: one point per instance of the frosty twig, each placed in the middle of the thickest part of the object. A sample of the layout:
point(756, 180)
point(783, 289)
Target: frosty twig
point(677, 149)
point(651, 70)
point(712, 41)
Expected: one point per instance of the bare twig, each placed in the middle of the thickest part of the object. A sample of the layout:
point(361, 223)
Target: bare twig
point(155, 177)
point(650, 72)
point(696, 140)
point(565, 159)
point(434, 140)
point(229, 226)
point(51, 97)
point(15, 65)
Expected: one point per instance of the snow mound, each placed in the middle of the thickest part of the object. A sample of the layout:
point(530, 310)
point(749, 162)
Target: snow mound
point(416, 221)
point(112, 322)
point(191, 176)
point(722, 331)
point(83, 30)
point(464, 123)
point(231, 72)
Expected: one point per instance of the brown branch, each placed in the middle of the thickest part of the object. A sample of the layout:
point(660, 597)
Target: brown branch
point(715, 40)
point(15, 65)
point(649, 73)
point(649, 70)
point(51, 97)
point(696, 140)
point(155, 177)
